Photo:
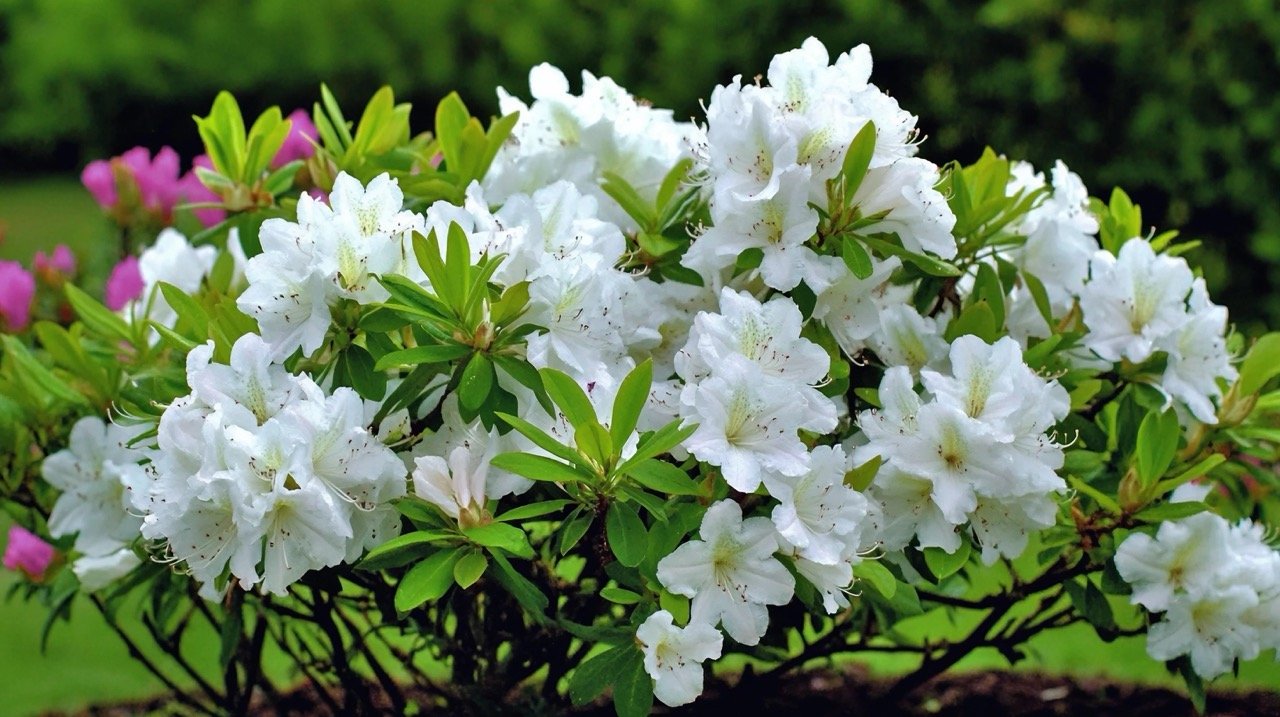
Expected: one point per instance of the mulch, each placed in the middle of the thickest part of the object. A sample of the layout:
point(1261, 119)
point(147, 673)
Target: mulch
point(851, 692)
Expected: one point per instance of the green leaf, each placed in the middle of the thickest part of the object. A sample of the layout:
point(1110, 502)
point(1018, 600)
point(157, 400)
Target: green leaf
point(944, 564)
point(925, 263)
point(366, 379)
point(857, 159)
point(573, 528)
point(402, 549)
point(525, 592)
point(626, 533)
point(544, 441)
point(1260, 365)
point(861, 476)
point(594, 442)
point(97, 317)
point(659, 442)
point(476, 383)
point(876, 575)
point(536, 467)
point(633, 688)
point(630, 200)
point(663, 477)
point(632, 395)
point(594, 675)
point(977, 319)
point(1157, 445)
point(532, 510)
point(435, 353)
point(428, 580)
point(469, 568)
point(1170, 511)
point(1040, 296)
point(569, 396)
point(856, 257)
point(503, 536)
point(987, 287)
point(1103, 500)
point(1203, 467)
point(621, 596)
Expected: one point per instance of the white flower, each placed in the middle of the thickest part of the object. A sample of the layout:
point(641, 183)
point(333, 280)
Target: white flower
point(818, 514)
point(849, 307)
point(94, 474)
point(1198, 357)
point(173, 260)
point(456, 487)
point(730, 573)
point(673, 656)
point(1132, 300)
point(747, 423)
point(1208, 626)
point(1185, 555)
point(913, 209)
point(97, 572)
point(779, 226)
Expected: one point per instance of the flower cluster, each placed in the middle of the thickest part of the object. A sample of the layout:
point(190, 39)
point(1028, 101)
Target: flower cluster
point(260, 473)
point(1139, 303)
point(97, 475)
point(770, 150)
point(975, 450)
point(648, 385)
point(1218, 585)
point(581, 138)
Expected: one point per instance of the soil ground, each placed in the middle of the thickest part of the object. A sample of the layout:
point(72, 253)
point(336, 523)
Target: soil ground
point(854, 692)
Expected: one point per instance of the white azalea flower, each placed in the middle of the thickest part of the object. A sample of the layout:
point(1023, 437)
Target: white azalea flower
point(818, 515)
point(173, 260)
point(1185, 555)
point(93, 474)
point(457, 486)
point(1132, 300)
point(98, 571)
point(730, 573)
point(673, 656)
point(747, 422)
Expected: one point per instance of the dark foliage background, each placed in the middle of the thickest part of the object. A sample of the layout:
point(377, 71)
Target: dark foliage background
point(1173, 99)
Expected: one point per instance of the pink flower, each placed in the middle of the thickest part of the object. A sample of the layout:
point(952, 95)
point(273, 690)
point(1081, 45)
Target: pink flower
point(17, 289)
point(194, 191)
point(124, 284)
point(27, 552)
point(98, 178)
point(298, 145)
point(62, 261)
point(158, 181)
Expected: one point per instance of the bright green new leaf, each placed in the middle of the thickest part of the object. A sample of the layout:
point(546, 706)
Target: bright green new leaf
point(1260, 365)
point(539, 468)
point(663, 477)
point(501, 535)
point(627, 536)
point(427, 580)
point(469, 568)
point(1157, 445)
point(476, 382)
point(857, 159)
point(633, 392)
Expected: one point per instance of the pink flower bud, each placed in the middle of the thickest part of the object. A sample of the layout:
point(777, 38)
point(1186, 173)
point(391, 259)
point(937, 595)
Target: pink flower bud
point(194, 191)
point(62, 261)
point(17, 289)
point(298, 145)
point(124, 284)
point(27, 552)
point(101, 183)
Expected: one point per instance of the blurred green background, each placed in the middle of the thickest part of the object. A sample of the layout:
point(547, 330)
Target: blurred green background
point(1174, 100)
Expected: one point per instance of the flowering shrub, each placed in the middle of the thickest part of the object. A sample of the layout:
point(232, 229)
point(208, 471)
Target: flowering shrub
point(590, 399)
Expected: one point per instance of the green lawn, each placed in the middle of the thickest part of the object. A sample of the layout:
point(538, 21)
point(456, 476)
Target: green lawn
point(43, 212)
point(85, 662)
